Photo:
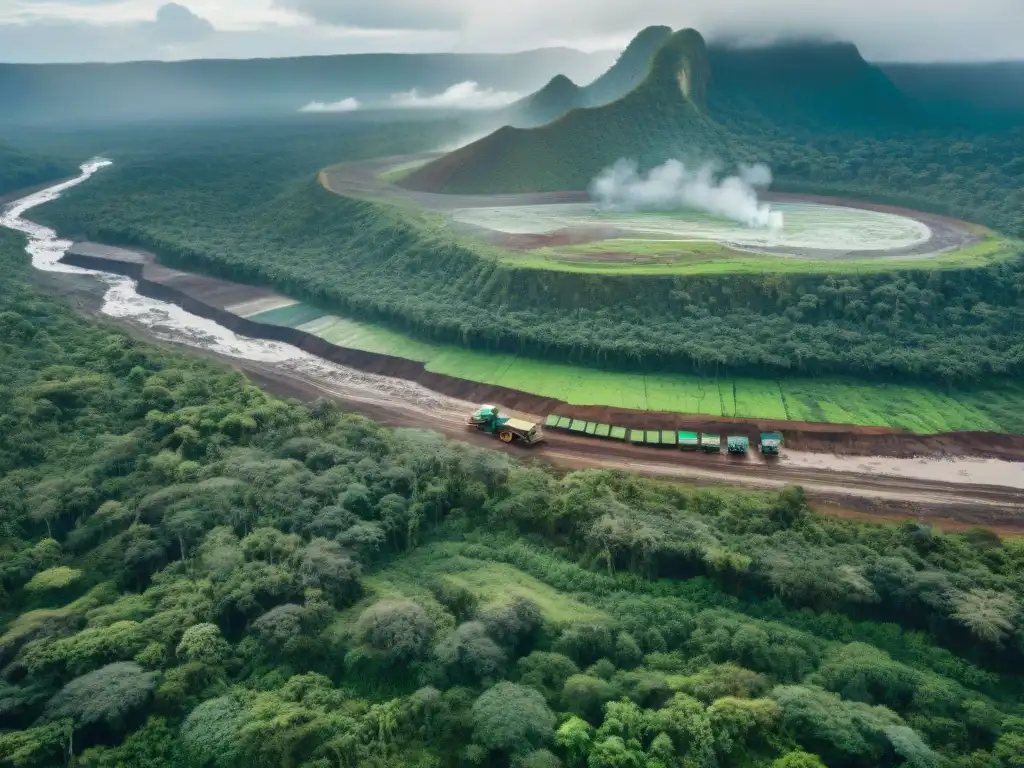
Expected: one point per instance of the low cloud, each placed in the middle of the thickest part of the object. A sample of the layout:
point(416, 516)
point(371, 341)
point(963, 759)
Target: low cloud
point(467, 95)
point(383, 14)
point(672, 185)
point(177, 24)
point(917, 30)
point(345, 105)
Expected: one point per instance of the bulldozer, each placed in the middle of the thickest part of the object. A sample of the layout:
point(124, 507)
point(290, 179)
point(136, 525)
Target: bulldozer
point(487, 419)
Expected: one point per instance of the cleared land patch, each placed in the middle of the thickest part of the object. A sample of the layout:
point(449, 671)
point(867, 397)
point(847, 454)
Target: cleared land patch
point(496, 582)
point(918, 409)
point(417, 576)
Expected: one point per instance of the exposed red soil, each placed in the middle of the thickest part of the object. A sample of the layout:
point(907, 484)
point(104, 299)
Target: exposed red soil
point(188, 290)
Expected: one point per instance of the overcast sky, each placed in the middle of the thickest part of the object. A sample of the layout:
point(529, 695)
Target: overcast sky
point(119, 30)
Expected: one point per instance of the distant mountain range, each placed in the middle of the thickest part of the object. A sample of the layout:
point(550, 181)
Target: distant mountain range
point(555, 78)
point(694, 103)
point(70, 93)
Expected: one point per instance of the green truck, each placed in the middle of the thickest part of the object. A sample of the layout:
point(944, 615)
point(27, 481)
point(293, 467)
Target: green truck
point(737, 444)
point(487, 419)
point(711, 443)
point(688, 441)
point(771, 443)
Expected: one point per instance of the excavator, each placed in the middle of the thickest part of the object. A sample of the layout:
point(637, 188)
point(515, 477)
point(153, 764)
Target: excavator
point(487, 419)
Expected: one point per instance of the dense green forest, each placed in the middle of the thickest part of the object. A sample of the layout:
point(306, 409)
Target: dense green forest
point(231, 200)
point(195, 573)
point(19, 170)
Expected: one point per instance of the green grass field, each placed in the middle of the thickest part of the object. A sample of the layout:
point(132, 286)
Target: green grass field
point(919, 409)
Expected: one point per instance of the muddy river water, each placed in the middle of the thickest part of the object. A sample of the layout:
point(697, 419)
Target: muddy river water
point(168, 322)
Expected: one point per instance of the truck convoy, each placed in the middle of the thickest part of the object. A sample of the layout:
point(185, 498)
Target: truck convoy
point(487, 419)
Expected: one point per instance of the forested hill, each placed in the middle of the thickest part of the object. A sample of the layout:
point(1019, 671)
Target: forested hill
point(981, 87)
point(195, 574)
point(262, 87)
point(561, 95)
point(19, 170)
point(654, 121)
point(734, 99)
point(815, 85)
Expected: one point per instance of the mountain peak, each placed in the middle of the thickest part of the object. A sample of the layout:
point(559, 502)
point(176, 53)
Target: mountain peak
point(630, 68)
point(682, 62)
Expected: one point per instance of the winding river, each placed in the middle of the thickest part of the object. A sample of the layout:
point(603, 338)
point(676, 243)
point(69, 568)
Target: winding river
point(171, 323)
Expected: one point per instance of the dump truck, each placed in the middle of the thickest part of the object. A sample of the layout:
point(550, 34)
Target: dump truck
point(771, 443)
point(487, 419)
point(711, 443)
point(737, 444)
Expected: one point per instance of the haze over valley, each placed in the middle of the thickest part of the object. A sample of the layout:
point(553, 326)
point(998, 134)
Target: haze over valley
point(575, 385)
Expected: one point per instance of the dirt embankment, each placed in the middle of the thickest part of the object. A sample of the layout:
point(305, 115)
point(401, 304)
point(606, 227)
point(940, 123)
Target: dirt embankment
point(206, 298)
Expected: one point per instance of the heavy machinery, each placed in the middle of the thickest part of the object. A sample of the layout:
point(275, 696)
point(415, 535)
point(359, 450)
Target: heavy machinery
point(710, 443)
point(737, 444)
point(771, 443)
point(487, 419)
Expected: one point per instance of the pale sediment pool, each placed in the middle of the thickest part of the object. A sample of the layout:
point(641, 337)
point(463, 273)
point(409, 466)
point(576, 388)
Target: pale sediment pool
point(806, 226)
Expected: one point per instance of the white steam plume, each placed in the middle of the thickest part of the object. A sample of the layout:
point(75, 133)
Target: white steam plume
point(673, 185)
point(345, 105)
point(466, 95)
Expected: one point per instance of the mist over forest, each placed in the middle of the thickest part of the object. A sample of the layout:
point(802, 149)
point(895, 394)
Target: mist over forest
point(214, 560)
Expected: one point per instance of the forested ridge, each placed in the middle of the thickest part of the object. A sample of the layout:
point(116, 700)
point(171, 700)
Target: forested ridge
point(195, 573)
point(204, 207)
point(19, 170)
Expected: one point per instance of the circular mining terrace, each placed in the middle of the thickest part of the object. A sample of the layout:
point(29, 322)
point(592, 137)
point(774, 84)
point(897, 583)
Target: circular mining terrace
point(566, 230)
